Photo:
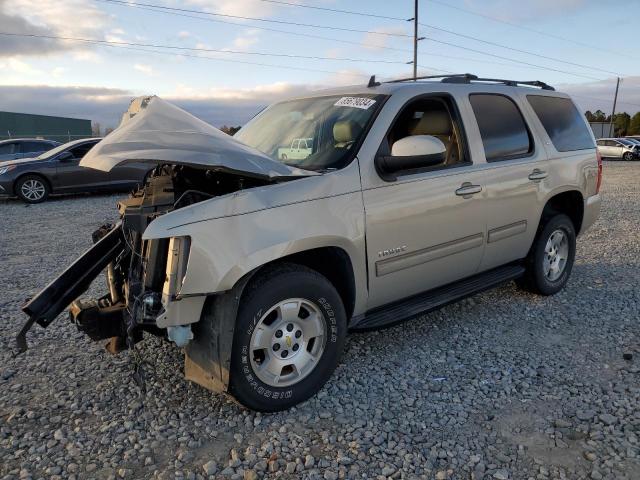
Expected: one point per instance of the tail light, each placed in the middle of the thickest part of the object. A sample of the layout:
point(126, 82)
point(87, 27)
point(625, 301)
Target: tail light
point(599, 171)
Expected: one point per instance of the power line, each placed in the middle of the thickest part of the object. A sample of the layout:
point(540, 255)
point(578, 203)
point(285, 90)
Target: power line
point(258, 19)
point(334, 10)
point(268, 29)
point(487, 42)
point(513, 60)
point(200, 49)
point(136, 46)
point(529, 29)
point(333, 39)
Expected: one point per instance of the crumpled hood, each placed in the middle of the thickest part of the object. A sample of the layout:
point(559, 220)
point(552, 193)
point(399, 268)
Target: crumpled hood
point(154, 130)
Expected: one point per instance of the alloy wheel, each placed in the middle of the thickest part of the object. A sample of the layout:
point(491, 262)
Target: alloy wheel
point(287, 342)
point(556, 254)
point(33, 189)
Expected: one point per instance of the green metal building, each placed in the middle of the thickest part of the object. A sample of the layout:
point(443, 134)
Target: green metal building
point(62, 129)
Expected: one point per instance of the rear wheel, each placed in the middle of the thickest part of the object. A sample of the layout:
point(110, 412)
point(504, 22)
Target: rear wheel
point(551, 257)
point(32, 189)
point(288, 338)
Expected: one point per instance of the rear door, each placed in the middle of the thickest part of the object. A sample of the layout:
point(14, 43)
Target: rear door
point(517, 165)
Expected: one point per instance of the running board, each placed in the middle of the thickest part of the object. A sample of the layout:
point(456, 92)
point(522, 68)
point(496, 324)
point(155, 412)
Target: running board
point(433, 299)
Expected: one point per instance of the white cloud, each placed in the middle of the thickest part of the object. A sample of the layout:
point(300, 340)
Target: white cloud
point(69, 18)
point(184, 34)
point(244, 41)
point(371, 41)
point(15, 65)
point(146, 69)
point(247, 8)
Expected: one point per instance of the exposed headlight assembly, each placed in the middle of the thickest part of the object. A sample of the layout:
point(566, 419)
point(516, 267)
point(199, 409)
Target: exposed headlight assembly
point(6, 169)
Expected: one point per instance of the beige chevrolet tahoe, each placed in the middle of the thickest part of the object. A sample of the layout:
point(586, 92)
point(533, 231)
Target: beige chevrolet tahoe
point(414, 194)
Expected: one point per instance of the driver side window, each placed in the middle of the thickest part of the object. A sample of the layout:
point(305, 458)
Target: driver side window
point(436, 117)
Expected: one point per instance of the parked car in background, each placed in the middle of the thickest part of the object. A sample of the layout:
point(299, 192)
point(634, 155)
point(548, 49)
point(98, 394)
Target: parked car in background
point(634, 140)
point(24, 147)
point(618, 148)
point(58, 171)
point(299, 149)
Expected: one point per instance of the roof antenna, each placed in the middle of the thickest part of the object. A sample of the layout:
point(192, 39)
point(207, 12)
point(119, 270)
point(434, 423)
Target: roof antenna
point(372, 82)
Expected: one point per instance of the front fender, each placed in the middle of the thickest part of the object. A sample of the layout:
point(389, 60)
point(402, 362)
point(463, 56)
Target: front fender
point(223, 250)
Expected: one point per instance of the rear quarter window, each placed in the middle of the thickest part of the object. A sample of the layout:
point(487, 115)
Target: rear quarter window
point(563, 122)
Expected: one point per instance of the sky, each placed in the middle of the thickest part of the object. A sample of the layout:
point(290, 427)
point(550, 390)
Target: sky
point(219, 70)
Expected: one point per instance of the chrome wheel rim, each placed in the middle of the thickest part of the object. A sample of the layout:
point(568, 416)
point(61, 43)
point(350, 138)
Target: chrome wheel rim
point(556, 253)
point(288, 342)
point(32, 189)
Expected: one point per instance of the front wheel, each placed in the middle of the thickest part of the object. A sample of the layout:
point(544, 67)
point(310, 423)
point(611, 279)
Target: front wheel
point(551, 257)
point(32, 189)
point(628, 156)
point(288, 338)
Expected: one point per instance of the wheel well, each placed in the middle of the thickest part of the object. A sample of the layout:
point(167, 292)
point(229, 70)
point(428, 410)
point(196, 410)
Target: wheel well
point(29, 174)
point(332, 262)
point(570, 203)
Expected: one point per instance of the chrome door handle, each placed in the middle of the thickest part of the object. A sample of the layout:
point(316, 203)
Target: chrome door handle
point(538, 175)
point(467, 189)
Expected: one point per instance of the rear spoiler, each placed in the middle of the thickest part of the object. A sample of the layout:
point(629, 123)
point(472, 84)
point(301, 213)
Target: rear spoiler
point(70, 284)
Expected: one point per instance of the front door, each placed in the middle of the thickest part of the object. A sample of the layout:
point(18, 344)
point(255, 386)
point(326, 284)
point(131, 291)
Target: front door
point(425, 229)
point(71, 176)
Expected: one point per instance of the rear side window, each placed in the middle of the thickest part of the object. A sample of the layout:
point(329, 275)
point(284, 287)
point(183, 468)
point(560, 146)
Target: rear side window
point(29, 147)
point(8, 148)
point(563, 122)
point(504, 133)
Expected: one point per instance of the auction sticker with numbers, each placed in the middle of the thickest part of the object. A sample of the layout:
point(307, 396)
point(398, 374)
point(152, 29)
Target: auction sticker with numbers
point(355, 102)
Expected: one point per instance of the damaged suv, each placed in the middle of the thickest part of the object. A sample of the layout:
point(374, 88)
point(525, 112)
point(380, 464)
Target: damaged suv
point(410, 195)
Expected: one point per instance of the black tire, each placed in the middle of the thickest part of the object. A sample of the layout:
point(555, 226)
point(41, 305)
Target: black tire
point(628, 156)
point(535, 280)
point(40, 185)
point(275, 285)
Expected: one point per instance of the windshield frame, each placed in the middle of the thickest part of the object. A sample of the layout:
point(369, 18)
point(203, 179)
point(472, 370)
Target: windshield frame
point(380, 98)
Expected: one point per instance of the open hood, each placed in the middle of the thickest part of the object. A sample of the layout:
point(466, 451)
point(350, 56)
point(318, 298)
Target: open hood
point(156, 131)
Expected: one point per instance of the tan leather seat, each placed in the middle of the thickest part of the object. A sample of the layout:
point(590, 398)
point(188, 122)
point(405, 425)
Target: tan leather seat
point(345, 132)
point(437, 123)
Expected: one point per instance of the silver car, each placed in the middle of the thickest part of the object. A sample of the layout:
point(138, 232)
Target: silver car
point(414, 194)
point(618, 148)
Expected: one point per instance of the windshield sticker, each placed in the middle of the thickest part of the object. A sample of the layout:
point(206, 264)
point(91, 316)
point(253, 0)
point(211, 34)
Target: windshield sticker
point(355, 102)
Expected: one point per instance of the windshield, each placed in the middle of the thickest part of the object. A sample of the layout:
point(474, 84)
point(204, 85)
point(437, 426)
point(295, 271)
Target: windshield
point(317, 134)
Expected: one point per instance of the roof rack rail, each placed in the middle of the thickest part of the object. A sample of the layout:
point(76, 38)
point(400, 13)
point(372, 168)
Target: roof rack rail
point(469, 77)
point(427, 77)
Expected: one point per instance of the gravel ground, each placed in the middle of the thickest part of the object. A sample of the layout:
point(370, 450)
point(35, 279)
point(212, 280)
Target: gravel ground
point(502, 385)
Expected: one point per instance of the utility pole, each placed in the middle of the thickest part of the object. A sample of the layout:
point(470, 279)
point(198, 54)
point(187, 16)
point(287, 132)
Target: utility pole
point(415, 41)
point(613, 112)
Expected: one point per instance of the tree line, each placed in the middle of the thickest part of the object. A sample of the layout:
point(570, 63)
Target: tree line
point(623, 123)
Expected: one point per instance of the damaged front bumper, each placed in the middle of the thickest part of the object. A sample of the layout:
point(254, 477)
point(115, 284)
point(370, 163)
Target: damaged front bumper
point(73, 282)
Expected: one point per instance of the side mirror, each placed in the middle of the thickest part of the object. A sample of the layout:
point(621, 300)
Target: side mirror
point(65, 157)
point(416, 151)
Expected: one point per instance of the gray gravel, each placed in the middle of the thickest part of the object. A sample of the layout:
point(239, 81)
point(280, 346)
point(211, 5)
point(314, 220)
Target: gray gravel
point(503, 385)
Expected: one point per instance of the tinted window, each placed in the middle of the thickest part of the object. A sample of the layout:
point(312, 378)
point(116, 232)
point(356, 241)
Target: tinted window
point(7, 148)
point(81, 150)
point(563, 122)
point(502, 128)
point(29, 147)
point(600, 142)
